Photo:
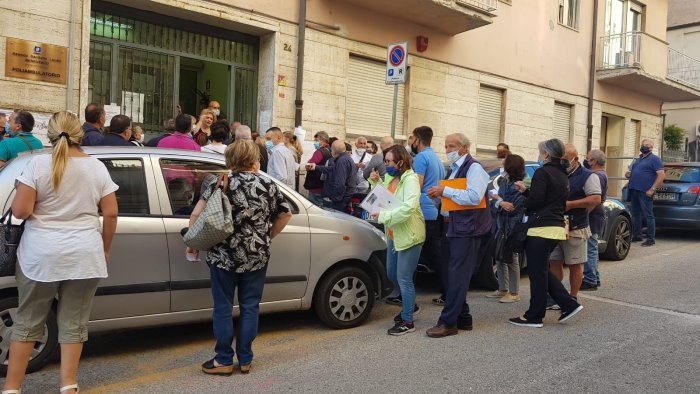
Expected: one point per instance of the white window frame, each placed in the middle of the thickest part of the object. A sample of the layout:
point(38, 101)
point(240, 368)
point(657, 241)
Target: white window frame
point(569, 13)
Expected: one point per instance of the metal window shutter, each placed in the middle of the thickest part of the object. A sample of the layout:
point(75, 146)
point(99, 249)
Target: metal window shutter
point(561, 123)
point(631, 139)
point(369, 100)
point(490, 119)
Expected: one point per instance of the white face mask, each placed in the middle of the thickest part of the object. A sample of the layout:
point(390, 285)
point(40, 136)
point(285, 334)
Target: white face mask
point(408, 148)
point(194, 127)
point(361, 151)
point(453, 156)
point(217, 112)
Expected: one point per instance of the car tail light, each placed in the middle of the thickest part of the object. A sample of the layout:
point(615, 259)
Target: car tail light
point(694, 190)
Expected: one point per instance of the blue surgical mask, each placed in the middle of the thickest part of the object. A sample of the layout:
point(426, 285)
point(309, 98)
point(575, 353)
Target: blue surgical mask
point(392, 171)
point(453, 156)
point(7, 128)
point(317, 145)
point(540, 162)
point(269, 144)
point(644, 150)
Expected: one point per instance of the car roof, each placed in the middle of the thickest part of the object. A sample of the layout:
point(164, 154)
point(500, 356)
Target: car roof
point(97, 150)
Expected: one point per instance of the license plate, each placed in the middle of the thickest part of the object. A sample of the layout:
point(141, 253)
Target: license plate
point(665, 196)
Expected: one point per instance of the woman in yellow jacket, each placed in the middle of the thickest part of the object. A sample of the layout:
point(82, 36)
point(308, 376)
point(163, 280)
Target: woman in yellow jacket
point(405, 231)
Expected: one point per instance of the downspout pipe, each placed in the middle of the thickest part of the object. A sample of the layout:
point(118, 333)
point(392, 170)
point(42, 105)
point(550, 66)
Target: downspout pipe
point(591, 76)
point(71, 46)
point(299, 101)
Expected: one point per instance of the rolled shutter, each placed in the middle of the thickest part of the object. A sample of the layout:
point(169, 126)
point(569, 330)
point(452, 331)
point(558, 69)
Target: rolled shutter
point(561, 123)
point(369, 101)
point(632, 138)
point(490, 119)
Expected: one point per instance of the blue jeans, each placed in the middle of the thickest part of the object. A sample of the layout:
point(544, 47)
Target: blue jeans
point(590, 269)
point(643, 205)
point(250, 289)
point(316, 198)
point(400, 267)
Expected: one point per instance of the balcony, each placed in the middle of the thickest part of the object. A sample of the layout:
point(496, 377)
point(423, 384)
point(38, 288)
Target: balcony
point(644, 64)
point(447, 16)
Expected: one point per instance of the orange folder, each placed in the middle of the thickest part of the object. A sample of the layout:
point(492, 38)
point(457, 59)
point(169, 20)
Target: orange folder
point(449, 205)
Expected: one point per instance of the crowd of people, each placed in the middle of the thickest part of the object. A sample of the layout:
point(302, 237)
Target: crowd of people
point(443, 216)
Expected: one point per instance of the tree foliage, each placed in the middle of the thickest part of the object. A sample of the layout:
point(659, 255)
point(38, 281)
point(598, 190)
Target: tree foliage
point(674, 137)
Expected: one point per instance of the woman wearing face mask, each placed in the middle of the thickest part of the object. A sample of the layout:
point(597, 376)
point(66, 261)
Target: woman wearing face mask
point(137, 136)
point(546, 203)
point(405, 232)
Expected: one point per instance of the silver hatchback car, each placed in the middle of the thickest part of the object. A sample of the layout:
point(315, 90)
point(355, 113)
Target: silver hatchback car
point(328, 261)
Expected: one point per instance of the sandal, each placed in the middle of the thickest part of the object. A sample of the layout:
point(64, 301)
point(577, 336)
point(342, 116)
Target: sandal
point(11, 391)
point(70, 387)
point(245, 369)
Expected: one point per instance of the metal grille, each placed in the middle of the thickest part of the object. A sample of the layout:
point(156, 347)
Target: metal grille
point(244, 100)
point(146, 82)
point(99, 79)
point(144, 33)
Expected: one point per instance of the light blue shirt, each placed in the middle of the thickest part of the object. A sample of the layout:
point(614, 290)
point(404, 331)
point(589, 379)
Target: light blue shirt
point(477, 182)
point(428, 164)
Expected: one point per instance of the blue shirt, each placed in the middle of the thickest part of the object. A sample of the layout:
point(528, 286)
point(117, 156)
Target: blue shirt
point(428, 164)
point(477, 182)
point(644, 172)
point(11, 147)
point(92, 136)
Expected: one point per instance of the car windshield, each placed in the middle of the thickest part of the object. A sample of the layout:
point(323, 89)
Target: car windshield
point(682, 174)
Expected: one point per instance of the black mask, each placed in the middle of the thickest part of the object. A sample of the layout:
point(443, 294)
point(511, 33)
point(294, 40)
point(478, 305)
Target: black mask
point(414, 149)
point(586, 164)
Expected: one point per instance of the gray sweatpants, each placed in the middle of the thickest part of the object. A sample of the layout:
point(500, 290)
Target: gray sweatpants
point(509, 275)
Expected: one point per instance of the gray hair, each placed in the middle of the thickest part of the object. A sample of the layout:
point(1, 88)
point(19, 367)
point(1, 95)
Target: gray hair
point(338, 147)
point(597, 155)
point(554, 148)
point(242, 132)
point(462, 139)
point(649, 141)
point(323, 136)
point(386, 142)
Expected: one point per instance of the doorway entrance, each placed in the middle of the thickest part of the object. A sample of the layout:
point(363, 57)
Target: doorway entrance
point(201, 82)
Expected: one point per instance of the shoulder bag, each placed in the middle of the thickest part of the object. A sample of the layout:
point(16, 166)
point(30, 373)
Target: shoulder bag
point(215, 223)
point(10, 235)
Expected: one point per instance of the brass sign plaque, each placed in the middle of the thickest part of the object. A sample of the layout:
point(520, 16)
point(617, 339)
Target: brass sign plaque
point(36, 61)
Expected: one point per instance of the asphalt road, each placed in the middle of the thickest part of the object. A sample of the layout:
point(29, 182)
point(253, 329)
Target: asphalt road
point(640, 332)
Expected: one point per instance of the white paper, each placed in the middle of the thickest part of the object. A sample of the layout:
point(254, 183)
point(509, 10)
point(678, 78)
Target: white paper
point(379, 199)
point(111, 111)
point(192, 257)
point(133, 105)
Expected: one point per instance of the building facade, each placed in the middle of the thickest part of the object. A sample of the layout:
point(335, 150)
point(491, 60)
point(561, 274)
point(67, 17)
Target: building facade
point(684, 34)
point(499, 71)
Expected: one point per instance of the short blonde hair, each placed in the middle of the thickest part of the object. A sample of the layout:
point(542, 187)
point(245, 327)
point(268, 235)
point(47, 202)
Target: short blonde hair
point(242, 155)
point(207, 111)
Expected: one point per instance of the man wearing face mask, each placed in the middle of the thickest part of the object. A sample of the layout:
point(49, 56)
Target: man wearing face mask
point(216, 107)
point(646, 175)
point(282, 164)
point(584, 195)
point(595, 161)
point(463, 233)
point(361, 157)
point(314, 182)
point(341, 178)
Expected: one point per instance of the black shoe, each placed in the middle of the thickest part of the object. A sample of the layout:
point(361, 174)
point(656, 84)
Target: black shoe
point(568, 315)
point(585, 286)
point(466, 326)
point(222, 370)
point(394, 300)
point(398, 319)
point(401, 328)
point(519, 321)
point(648, 242)
point(636, 239)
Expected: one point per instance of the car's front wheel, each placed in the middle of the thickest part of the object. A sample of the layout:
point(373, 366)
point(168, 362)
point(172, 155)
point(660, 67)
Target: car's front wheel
point(43, 349)
point(344, 297)
point(619, 240)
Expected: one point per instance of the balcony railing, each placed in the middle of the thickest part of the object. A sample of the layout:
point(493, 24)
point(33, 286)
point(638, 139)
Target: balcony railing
point(621, 50)
point(486, 5)
point(683, 68)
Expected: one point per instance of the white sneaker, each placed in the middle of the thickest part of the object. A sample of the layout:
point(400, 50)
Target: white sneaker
point(497, 294)
point(509, 298)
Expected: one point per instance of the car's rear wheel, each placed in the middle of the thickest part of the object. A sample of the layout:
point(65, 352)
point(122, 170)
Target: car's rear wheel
point(43, 349)
point(619, 240)
point(344, 297)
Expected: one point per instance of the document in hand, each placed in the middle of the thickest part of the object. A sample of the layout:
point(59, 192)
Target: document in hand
point(379, 199)
point(449, 205)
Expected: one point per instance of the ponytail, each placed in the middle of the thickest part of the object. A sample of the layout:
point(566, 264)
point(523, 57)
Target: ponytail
point(64, 131)
point(59, 162)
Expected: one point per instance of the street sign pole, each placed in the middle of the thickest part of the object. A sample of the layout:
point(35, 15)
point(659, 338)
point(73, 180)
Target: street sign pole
point(393, 113)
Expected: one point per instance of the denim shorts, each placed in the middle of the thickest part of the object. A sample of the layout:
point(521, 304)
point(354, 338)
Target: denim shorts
point(35, 302)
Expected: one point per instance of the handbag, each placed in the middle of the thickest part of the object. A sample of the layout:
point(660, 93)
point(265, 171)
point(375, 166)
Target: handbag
point(10, 235)
point(518, 234)
point(215, 223)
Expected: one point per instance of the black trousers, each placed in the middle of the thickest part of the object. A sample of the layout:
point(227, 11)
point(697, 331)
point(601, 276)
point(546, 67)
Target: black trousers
point(430, 254)
point(461, 257)
point(542, 281)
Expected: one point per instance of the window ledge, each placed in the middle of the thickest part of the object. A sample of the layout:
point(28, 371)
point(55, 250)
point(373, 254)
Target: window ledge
point(568, 27)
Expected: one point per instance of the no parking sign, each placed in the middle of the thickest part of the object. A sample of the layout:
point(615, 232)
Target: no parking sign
point(397, 58)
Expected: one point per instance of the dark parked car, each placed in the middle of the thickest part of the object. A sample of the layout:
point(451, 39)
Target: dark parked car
point(677, 201)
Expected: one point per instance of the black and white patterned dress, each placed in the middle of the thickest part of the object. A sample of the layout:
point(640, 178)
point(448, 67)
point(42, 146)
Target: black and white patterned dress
point(256, 201)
